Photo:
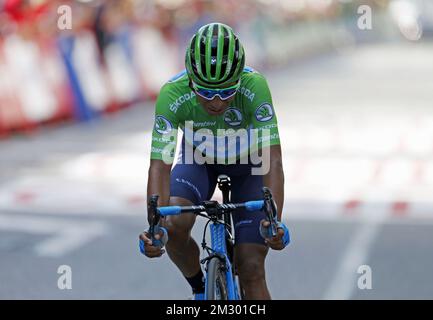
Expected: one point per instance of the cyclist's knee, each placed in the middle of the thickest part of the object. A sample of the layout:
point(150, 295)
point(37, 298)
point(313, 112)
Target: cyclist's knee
point(250, 271)
point(179, 227)
point(250, 262)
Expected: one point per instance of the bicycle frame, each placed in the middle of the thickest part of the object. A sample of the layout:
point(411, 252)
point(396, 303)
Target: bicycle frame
point(218, 246)
point(226, 246)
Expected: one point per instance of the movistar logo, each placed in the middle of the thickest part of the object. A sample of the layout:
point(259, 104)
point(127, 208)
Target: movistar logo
point(233, 117)
point(204, 124)
point(264, 112)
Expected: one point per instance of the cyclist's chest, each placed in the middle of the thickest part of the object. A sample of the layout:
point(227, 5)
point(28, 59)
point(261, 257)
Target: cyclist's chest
point(234, 117)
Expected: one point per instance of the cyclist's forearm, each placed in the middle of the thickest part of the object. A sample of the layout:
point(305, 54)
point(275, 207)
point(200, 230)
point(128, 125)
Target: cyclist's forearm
point(159, 183)
point(274, 180)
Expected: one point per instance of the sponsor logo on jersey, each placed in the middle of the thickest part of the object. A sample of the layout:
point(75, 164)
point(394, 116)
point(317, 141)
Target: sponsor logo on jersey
point(264, 112)
point(247, 93)
point(269, 126)
point(233, 117)
point(181, 100)
point(163, 125)
point(204, 124)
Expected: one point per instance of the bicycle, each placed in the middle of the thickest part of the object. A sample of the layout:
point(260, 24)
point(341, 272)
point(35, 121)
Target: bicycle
point(221, 280)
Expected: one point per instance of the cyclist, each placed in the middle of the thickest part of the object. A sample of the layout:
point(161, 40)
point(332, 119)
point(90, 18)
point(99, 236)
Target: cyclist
point(216, 91)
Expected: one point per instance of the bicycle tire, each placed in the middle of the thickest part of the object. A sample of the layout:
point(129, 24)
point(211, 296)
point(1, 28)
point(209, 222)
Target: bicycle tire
point(216, 288)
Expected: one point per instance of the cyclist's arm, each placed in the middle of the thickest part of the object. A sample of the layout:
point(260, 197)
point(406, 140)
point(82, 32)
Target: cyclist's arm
point(274, 179)
point(263, 117)
point(164, 136)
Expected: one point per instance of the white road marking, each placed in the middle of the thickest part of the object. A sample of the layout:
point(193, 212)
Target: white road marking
point(344, 281)
point(67, 235)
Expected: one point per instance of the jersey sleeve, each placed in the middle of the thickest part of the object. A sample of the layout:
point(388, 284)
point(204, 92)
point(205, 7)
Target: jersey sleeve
point(164, 134)
point(263, 117)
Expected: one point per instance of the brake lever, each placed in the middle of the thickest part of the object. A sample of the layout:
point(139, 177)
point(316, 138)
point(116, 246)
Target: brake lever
point(271, 210)
point(155, 215)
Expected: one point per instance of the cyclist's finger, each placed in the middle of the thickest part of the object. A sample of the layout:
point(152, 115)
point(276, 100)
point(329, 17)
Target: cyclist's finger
point(144, 236)
point(277, 239)
point(152, 251)
point(155, 253)
point(265, 223)
point(275, 243)
point(280, 234)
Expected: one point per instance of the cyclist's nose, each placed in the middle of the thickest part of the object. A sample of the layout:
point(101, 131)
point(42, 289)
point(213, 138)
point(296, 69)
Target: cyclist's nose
point(217, 103)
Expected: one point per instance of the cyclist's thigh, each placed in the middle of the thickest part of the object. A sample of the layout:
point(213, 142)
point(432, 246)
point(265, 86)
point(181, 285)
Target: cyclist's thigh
point(190, 184)
point(247, 223)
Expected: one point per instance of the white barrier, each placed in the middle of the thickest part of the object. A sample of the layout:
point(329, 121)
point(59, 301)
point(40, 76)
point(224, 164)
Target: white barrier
point(156, 59)
point(25, 73)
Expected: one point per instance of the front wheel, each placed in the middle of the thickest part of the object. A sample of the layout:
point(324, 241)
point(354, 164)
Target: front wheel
point(216, 285)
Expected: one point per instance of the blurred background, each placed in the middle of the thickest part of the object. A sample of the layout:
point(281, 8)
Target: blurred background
point(355, 107)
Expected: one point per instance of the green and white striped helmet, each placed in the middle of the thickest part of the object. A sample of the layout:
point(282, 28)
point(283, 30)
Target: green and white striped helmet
point(215, 57)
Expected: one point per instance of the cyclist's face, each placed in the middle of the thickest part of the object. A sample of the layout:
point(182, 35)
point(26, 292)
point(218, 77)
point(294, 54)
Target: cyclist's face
point(216, 106)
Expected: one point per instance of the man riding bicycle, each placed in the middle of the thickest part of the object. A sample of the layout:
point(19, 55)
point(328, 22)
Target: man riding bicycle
point(216, 97)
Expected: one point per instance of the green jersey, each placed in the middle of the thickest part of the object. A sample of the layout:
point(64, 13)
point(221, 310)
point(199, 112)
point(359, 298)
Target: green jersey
point(250, 120)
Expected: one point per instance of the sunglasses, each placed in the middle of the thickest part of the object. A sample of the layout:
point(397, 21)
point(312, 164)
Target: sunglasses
point(210, 94)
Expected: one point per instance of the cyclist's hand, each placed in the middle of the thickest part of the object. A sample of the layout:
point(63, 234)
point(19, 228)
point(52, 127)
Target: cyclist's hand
point(146, 246)
point(276, 242)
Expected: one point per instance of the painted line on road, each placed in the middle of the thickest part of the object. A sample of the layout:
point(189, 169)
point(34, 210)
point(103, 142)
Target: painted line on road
point(356, 254)
point(67, 235)
point(357, 251)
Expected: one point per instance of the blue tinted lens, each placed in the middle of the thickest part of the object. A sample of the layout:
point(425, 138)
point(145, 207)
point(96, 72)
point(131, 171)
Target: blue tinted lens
point(209, 94)
point(227, 93)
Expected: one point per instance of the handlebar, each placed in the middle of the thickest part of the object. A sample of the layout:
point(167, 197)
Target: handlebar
point(213, 208)
point(220, 208)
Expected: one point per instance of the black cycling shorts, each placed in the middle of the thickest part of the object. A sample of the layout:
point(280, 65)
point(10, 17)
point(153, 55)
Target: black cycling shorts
point(197, 182)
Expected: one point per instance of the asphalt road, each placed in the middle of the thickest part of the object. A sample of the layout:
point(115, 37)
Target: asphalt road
point(357, 129)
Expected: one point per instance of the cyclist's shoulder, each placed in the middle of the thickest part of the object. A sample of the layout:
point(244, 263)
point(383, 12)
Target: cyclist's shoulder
point(177, 83)
point(251, 77)
point(254, 87)
point(175, 92)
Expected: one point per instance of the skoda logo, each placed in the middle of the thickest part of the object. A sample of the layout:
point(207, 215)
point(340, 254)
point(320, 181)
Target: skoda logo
point(233, 117)
point(264, 112)
point(163, 125)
